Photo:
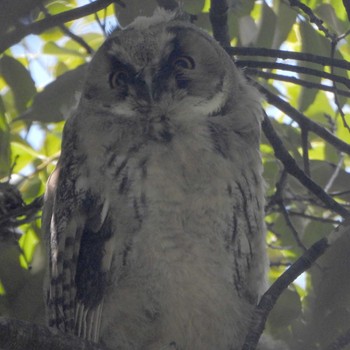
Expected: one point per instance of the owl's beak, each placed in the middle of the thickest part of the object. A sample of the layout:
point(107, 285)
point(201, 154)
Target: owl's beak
point(147, 87)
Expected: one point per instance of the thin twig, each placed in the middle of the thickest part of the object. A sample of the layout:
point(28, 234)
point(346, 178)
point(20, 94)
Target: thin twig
point(335, 174)
point(290, 224)
point(269, 299)
point(304, 121)
point(292, 167)
point(315, 218)
point(305, 147)
point(69, 33)
point(294, 80)
point(336, 97)
point(26, 210)
point(313, 18)
point(40, 26)
point(278, 199)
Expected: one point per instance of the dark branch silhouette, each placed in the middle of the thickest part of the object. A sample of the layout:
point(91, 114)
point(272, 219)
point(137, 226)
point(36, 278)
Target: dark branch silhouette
point(269, 299)
point(294, 80)
point(40, 26)
point(299, 56)
point(218, 18)
point(292, 168)
point(304, 121)
point(20, 335)
point(293, 68)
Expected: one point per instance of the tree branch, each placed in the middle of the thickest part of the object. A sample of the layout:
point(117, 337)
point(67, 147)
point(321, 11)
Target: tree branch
point(295, 80)
point(218, 19)
point(313, 18)
point(293, 68)
point(269, 299)
point(40, 26)
point(292, 168)
point(19, 335)
point(303, 121)
point(300, 56)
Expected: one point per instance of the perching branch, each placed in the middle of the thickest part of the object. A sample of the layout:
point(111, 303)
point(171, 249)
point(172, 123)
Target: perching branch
point(19, 335)
point(40, 26)
point(269, 299)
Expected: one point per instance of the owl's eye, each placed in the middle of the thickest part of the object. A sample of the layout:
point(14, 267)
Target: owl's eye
point(119, 79)
point(184, 62)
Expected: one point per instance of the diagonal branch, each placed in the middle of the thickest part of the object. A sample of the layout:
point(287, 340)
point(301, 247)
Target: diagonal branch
point(40, 26)
point(303, 121)
point(295, 80)
point(269, 299)
point(19, 335)
point(292, 168)
point(313, 18)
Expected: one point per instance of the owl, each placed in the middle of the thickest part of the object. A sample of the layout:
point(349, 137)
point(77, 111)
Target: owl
point(154, 213)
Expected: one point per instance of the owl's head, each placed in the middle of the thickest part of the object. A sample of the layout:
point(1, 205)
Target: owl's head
point(164, 66)
point(159, 58)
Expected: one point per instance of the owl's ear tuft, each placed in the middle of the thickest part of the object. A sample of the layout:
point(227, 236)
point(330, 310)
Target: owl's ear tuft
point(181, 15)
point(113, 29)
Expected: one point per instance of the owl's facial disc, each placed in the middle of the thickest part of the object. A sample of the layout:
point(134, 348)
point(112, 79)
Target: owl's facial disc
point(158, 70)
point(149, 83)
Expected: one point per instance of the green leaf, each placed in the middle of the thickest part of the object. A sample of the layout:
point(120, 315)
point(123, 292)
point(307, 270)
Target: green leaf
point(284, 23)
point(267, 26)
point(52, 48)
point(248, 30)
point(194, 6)
point(28, 242)
point(5, 149)
point(22, 154)
point(323, 171)
point(57, 99)
point(327, 14)
point(287, 309)
point(312, 42)
point(19, 80)
point(32, 188)
point(2, 289)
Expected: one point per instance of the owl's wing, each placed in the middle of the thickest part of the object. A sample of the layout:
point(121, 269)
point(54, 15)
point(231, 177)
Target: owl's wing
point(77, 227)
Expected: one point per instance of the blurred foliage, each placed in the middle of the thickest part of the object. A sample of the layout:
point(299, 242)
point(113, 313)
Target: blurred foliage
point(40, 79)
